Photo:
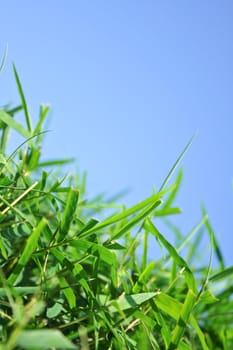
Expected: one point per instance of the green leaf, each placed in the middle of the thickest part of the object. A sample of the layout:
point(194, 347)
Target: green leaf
point(68, 292)
point(12, 123)
point(182, 322)
point(30, 247)
point(213, 239)
point(207, 297)
point(21, 290)
point(222, 274)
point(152, 200)
point(69, 212)
point(23, 101)
point(174, 254)
point(95, 249)
point(43, 339)
point(134, 221)
point(54, 310)
point(173, 169)
point(125, 302)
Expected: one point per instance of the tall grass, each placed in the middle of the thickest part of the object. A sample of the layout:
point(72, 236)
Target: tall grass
point(69, 281)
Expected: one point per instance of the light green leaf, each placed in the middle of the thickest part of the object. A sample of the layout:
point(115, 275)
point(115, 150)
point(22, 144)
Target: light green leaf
point(23, 100)
point(173, 253)
point(125, 302)
point(222, 274)
point(43, 339)
point(69, 212)
point(12, 123)
point(173, 169)
point(30, 247)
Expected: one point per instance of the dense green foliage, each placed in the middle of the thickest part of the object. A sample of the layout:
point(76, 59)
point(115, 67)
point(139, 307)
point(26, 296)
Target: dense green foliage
point(70, 281)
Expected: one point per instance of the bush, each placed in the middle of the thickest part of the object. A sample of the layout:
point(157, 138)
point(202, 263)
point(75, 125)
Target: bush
point(69, 281)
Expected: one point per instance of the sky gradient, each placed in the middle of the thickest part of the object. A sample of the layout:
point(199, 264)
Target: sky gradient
point(129, 83)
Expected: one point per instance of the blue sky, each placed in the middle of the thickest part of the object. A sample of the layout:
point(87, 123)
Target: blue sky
point(129, 83)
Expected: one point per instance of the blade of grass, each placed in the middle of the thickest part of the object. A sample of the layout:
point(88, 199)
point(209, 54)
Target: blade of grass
point(182, 321)
point(173, 253)
point(174, 192)
point(222, 274)
point(23, 101)
point(69, 212)
point(213, 240)
point(133, 222)
point(12, 123)
point(30, 247)
point(173, 169)
point(134, 209)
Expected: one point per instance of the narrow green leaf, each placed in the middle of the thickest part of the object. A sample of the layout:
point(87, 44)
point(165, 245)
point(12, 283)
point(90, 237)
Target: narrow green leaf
point(43, 339)
point(174, 192)
point(173, 169)
point(128, 212)
point(95, 249)
point(69, 212)
point(138, 218)
point(213, 239)
point(21, 290)
point(183, 319)
point(68, 292)
point(12, 123)
point(125, 302)
point(54, 162)
point(167, 211)
point(30, 247)
point(173, 253)
point(23, 101)
point(43, 113)
point(222, 274)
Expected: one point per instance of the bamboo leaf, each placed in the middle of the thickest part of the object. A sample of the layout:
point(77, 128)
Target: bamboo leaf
point(12, 123)
point(28, 250)
point(43, 339)
point(69, 212)
point(173, 253)
point(23, 100)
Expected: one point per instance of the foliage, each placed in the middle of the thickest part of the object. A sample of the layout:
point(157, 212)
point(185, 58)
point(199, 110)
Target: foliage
point(70, 281)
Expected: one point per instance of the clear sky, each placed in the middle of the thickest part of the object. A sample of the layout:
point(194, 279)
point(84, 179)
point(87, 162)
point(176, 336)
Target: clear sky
point(129, 83)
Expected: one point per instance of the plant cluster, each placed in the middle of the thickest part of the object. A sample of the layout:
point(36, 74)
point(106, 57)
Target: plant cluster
point(70, 281)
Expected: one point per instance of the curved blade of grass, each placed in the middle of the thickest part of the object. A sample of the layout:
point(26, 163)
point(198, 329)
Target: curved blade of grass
point(170, 199)
point(128, 212)
point(213, 239)
point(173, 169)
point(222, 274)
point(134, 221)
point(173, 253)
point(43, 113)
point(23, 101)
point(29, 248)
point(12, 123)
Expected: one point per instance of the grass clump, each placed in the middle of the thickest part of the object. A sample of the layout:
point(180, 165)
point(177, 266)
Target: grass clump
point(70, 281)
